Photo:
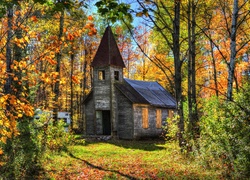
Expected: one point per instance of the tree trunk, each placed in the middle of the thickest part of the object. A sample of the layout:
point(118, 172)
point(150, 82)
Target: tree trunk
point(58, 58)
point(71, 88)
point(192, 107)
point(178, 76)
point(232, 51)
point(7, 86)
point(214, 69)
point(18, 54)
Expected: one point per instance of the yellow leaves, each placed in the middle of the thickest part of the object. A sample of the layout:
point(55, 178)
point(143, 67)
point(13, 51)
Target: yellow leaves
point(54, 75)
point(63, 81)
point(44, 77)
point(22, 65)
point(19, 115)
point(3, 139)
point(32, 34)
point(3, 99)
point(7, 123)
point(21, 42)
point(49, 79)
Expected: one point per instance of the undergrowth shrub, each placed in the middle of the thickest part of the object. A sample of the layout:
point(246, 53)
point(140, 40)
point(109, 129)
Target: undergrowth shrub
point(21, 157)
point(171, 128)
point(225, 136)
point(24, 152)
point(58, 139)
point(51, 136)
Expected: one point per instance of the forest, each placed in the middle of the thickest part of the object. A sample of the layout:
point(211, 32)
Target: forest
point(197, 50)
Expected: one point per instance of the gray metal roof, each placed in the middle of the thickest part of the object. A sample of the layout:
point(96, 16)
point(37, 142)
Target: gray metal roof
point(147, 93)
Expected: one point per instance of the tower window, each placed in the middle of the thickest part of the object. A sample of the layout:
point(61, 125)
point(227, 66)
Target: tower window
point(116, 74)
point(101, 75)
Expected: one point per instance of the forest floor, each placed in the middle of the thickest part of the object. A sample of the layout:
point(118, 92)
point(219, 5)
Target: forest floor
point(117, 159)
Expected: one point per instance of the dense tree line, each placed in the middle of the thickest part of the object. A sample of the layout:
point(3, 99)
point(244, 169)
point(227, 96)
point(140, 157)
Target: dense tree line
point(198, 50)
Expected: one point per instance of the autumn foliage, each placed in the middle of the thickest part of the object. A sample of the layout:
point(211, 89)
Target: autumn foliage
point(29, 47)
point(46, 49)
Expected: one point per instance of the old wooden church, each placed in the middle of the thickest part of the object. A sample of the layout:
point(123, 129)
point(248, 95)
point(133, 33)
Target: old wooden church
point(127, 109)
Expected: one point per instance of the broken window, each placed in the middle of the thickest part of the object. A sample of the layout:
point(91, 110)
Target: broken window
point(116, 74)
point(101, 75)
point(158, 118)
point(145, 118)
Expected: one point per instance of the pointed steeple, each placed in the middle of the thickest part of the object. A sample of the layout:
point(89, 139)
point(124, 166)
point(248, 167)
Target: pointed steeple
point(108, 52)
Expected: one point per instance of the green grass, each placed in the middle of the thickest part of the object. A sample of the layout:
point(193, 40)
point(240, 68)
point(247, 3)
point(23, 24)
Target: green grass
point(116, 159)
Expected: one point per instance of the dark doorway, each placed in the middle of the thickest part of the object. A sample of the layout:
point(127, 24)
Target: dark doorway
point(106, 122)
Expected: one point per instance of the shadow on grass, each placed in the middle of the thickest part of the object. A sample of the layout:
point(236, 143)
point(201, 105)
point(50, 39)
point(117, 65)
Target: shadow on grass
point(101, 168)
point(145, 145)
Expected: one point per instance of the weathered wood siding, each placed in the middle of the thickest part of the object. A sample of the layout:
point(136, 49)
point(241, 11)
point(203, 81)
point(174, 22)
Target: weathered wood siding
point(114, 100)
point(89, 116)
point(152, 130)
point(101, 89)
point(125, 117)
point(104, 95)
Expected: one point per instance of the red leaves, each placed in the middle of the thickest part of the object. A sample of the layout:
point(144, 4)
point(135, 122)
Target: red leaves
point(75, 79)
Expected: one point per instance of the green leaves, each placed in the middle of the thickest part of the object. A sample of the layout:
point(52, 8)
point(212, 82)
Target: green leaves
point(113, 11)
point(225, 133)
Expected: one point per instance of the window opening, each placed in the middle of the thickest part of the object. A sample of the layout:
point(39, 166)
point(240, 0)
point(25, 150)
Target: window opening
point(116, 74)
point(101, 75)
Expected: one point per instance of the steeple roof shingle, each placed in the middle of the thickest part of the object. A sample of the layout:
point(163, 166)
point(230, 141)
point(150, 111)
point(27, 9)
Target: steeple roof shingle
point(108, 52)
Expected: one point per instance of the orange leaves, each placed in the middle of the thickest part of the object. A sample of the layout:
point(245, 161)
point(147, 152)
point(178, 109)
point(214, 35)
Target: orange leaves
point(51, 61)
point(75, 79)
point(34, 19)
point(49, 78)
point(90, 27)
point(28, 110)
point(93, 32)
point(90, 18)
point(12, 100)
point(2, 57)
point(70, 36)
